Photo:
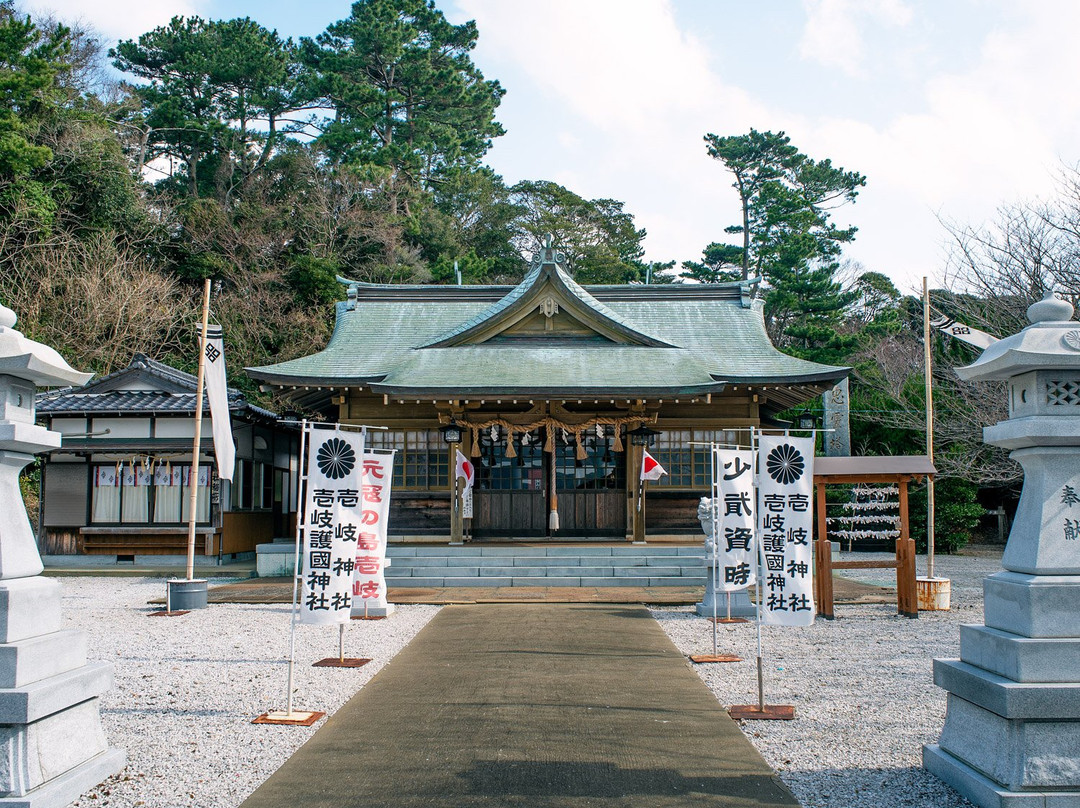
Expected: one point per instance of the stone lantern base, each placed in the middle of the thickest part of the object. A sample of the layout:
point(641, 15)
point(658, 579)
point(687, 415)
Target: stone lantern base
point(1012, 732)
point(52, 746)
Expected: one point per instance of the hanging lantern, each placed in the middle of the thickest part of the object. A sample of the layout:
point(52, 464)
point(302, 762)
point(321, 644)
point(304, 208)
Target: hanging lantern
point(642, 436)
point(452, 432)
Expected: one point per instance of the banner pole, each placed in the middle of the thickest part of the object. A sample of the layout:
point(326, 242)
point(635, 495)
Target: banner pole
point(715, 505)
point(761, 573)
point(193, 478)
point(301, 489)
point(928, 371)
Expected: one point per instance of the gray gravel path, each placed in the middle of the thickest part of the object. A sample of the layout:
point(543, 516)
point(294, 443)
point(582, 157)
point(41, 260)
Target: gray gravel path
point(862, 687)
point(187, 688)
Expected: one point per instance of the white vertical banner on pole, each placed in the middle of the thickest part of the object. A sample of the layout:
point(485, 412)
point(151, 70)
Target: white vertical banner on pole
point(785, 529)
point(332, 524)
point(369, 579)
point(734, 492)
point(217, 393)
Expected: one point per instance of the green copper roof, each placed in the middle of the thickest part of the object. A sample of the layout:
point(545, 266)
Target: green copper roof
point(434, 341)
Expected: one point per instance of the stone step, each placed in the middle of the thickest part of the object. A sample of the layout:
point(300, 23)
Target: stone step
point(475, 562)
point(403, 551)
point(501, 581)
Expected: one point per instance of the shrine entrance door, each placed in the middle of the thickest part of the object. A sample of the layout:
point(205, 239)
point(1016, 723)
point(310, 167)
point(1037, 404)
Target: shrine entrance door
point(512, 495)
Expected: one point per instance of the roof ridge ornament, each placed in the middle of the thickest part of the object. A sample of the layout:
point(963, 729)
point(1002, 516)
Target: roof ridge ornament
point(8, 318)
point(548, 253)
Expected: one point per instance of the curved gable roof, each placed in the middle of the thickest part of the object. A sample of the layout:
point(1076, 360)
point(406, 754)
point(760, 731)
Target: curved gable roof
point(548, 279)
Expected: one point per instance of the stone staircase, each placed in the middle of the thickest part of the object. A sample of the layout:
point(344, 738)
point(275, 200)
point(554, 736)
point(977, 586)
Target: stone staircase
point(546, 565)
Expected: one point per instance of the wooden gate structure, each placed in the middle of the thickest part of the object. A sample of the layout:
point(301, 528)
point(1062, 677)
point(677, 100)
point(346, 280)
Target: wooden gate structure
point(869, 470)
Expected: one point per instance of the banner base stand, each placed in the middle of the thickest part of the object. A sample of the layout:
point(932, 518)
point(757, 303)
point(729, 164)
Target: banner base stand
point(338, 662)
point(174, 613)
point(703, 658)
point(297, 718)
point(772, 712)
point(368, 617)
point(727, 621)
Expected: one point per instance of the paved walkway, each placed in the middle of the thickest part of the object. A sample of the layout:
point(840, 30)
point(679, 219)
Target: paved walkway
point(545, 706)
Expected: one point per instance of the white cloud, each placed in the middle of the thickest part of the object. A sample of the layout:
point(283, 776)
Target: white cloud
point(833, 35)
point(118, 19)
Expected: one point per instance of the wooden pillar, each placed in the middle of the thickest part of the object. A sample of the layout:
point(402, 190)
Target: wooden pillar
point(907, 599)
point(637, 486)
point(823, 559)
point(456, 532)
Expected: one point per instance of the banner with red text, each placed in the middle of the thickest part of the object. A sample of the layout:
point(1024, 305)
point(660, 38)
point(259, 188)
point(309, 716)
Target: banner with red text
point(785, 529)
point(369, 577)
point(333, 524)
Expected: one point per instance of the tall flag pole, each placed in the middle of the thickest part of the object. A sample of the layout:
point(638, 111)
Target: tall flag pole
point(928, 370)
point(193, 477)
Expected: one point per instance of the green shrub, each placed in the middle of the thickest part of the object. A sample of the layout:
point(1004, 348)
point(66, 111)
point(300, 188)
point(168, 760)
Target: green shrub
point(956, 514)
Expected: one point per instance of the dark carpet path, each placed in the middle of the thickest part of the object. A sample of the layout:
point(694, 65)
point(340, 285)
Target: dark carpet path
point(529, 705)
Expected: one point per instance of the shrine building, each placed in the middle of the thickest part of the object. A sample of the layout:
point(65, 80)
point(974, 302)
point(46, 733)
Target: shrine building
point(544, 380)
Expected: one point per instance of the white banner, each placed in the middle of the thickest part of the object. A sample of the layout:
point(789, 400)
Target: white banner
point(217, 392)
point(733, 489)
point(785, 527)
point(964, 332)
point(369, 580)
point(333, 523)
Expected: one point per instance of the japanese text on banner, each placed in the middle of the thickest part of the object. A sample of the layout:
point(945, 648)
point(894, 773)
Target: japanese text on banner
point(736, 552)
point(332, 525)
point(785, 526)
point(369, 580)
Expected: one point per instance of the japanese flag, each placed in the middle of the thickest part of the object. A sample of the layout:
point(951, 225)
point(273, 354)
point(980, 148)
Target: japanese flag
point(650, 469)
point(464, 469)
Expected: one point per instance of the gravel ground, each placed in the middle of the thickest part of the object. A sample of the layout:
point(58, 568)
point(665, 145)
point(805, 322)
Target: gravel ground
point(862, 687)
point(187, 688)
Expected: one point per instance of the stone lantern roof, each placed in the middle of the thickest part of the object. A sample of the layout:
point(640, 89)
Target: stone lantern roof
point(1051, 342)
point(31, 361)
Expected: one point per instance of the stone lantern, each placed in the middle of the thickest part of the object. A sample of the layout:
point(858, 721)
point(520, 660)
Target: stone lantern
point(1012, 733)
point(51, 741)
point(724, 605)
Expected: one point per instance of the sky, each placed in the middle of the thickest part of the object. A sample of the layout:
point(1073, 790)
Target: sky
point(951, 108)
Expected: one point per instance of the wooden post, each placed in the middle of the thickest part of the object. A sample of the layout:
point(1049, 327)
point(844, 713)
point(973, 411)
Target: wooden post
point(907, 598)
point(823, 560)
point(927, 359)
point(456, 532)
point(193, 480)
